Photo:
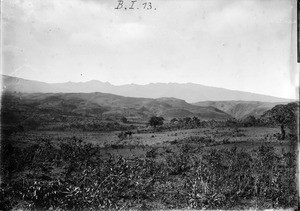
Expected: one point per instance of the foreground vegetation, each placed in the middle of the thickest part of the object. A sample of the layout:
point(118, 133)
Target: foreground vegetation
point(75, 175)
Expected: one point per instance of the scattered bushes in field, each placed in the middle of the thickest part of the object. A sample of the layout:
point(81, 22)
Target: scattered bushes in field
point(192, 123)
point(73, 175)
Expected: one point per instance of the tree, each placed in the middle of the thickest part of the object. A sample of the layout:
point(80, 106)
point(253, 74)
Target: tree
point(156, 121)
point(284, 115)
point(196, 121)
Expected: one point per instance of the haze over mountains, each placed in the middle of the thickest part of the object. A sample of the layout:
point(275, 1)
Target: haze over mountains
point(189, 92)
point(137, 101)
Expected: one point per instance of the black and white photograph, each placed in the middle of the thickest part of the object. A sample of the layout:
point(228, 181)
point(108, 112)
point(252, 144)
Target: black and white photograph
point(149, 105)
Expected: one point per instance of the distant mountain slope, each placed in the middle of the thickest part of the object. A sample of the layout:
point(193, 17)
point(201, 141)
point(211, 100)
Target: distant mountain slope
point(241, 109)
point(59, 106)
point(189, 92)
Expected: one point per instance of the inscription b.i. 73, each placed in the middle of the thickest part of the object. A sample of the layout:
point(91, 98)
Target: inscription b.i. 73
point(134, 4)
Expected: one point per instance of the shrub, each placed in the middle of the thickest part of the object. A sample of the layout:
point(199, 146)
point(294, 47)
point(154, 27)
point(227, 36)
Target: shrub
point(73, 175)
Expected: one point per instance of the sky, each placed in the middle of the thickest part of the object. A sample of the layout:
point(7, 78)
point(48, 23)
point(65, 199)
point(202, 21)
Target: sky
point(247, 45)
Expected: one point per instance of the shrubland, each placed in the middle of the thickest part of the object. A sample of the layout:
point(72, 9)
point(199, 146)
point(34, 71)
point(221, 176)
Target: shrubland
point(73, 175)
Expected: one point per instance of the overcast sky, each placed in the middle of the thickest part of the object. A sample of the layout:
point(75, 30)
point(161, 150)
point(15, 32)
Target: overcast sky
point(247, 45)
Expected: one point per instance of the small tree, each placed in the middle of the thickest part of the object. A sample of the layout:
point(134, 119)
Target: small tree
point(156, 121)
point(196, 121)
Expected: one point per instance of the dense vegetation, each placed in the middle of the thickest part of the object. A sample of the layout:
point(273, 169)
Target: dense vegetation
point(74, 175)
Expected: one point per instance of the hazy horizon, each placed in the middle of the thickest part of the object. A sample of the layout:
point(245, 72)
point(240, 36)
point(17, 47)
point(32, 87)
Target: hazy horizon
point(154, 83)
point(245, 45)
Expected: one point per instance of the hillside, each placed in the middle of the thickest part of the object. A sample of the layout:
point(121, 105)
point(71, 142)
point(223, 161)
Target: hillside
point(72, 108)
point(241, 109)
point(188, 91)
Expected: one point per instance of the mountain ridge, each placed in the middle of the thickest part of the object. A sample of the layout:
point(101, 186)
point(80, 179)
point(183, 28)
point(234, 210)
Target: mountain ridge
point(74, 108)
point(189, 92)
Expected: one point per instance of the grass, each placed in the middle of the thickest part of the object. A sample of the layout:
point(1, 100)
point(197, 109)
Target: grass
point(61, 170)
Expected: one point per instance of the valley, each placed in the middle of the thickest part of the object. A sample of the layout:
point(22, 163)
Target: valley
point(102, 151)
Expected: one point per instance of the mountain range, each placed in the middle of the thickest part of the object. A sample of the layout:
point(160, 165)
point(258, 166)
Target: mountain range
point(98, 99)
point(189, 92)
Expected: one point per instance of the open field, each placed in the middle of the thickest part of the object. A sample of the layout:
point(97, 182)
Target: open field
point(154, 170)
point(246, 138)
point(163, 143)
point(150, 138)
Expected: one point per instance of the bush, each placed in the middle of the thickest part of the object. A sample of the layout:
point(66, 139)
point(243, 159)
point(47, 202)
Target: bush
point(73, 175)
point(156, 121)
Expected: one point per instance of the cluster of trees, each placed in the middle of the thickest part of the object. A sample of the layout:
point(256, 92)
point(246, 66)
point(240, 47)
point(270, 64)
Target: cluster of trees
point(190, 123)
point(187, 120)
point(284, 116)
point(176, 123)
point(156, 121)
point(99, 126)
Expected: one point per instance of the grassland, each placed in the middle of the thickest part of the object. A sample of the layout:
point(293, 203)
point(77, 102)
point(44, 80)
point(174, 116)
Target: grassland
point(246, 138)
point(211, 168)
